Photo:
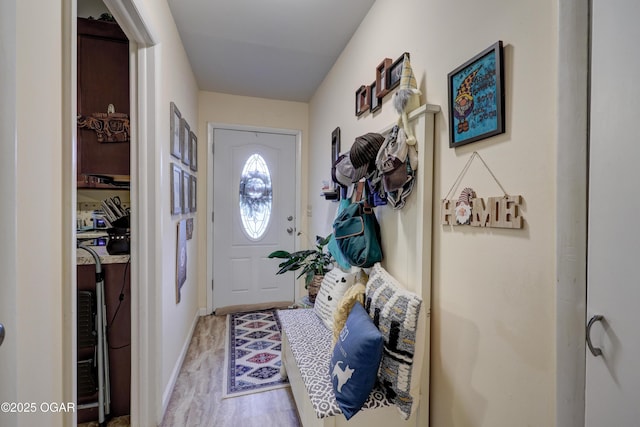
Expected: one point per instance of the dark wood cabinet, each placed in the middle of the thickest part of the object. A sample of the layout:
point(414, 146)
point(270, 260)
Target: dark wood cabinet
point(117, 290)
point(103, 79)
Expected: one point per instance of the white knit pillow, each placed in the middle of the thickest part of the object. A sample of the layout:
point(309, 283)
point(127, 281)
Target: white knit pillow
point(334, 285)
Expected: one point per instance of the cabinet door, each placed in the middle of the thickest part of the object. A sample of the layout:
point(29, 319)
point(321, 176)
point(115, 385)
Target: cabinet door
point(103, 79)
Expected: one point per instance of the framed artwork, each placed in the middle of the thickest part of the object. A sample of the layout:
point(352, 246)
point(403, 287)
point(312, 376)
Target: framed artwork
point(193, 151)
point(176, 189)
point(189, 228)
point(476, 98)
point(186, 189)
point(381, 77)
point(376, 100)
point(181, 257)
point(394, 73)
point(363, 97)
point(185, 129)
point(174, 120)
point(192, 194)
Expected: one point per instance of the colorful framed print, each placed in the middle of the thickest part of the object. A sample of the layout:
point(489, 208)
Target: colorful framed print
point(476, 98)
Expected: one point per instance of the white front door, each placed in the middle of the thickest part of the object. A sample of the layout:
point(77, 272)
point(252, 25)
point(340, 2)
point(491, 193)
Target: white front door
point(613, 286)
point(254, 188)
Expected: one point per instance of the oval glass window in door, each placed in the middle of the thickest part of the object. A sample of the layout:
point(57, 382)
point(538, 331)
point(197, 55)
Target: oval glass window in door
point(256, 196)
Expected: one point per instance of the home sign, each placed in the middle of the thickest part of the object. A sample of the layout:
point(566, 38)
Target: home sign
point(498, 212)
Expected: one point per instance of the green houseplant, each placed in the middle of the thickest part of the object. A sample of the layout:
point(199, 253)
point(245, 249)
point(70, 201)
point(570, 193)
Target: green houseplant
point(314, 263)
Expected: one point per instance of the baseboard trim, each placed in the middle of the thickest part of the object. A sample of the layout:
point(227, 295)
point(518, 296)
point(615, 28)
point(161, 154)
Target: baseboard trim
point(166, 396)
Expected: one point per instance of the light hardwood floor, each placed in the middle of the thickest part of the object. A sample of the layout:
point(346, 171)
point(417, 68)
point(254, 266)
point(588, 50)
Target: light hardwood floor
point(197, 396)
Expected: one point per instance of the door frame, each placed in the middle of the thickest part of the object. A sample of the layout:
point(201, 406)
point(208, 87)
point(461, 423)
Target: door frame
point(211, 127)
point(572, 145)
point(145, 397)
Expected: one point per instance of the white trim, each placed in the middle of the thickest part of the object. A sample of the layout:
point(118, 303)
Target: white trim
point(145, 366)
point(211, 126)
point(571, 214)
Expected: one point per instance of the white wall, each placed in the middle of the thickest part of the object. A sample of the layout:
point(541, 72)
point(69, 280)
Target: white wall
point(175, 83)
point(247, 111)
point(493, 295)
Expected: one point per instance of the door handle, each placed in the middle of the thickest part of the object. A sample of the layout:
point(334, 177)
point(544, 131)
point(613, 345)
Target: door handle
point(596, 351)
point(290, 230)
point(1, 333)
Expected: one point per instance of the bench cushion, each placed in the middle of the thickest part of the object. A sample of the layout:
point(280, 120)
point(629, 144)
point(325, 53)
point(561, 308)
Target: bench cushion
point(310, 343)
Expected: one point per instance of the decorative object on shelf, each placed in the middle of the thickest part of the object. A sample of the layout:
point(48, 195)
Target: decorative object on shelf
point(193, 151)
point(476, 98)
point(407, 97)
point(363, 99)
point(499, 212)
point(176, 189)
point(382, 70)
point(109, 126)
point(313, 262)
point(185, 130)
point(174, 120)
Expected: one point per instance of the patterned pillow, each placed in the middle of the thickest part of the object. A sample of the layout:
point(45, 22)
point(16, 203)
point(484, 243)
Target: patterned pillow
point(354, 294)
point(355, 361)
point(395, 312)
point(334, 284)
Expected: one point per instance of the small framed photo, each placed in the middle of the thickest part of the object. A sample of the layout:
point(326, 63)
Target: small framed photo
point(192, 194)
point(381, 77)
point(176, 144)
point(185, 129)
point(176, 189)
point(394, 73)
point(376, 100)
point(476, 98)
point(193, 151)
point(186, 189)
point(363, 99)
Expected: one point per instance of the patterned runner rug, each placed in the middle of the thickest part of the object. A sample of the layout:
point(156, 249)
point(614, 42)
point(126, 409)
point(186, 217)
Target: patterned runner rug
point(252, 354)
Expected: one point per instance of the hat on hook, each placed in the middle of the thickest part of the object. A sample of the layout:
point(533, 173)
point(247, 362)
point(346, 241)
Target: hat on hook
point(363, 154)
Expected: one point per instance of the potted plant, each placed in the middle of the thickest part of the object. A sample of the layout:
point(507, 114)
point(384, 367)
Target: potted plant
point(313, 262)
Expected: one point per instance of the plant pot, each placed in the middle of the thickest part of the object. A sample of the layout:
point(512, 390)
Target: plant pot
point(314, 288)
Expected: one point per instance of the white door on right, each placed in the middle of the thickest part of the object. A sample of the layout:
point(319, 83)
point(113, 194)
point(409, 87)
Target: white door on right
point(613, 280)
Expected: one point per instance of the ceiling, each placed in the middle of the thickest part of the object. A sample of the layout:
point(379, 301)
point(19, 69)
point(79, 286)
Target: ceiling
point(277, 49)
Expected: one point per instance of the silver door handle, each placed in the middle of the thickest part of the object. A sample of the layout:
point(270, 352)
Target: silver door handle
point(290, 230)
point(1, 333)
point(596, 351)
